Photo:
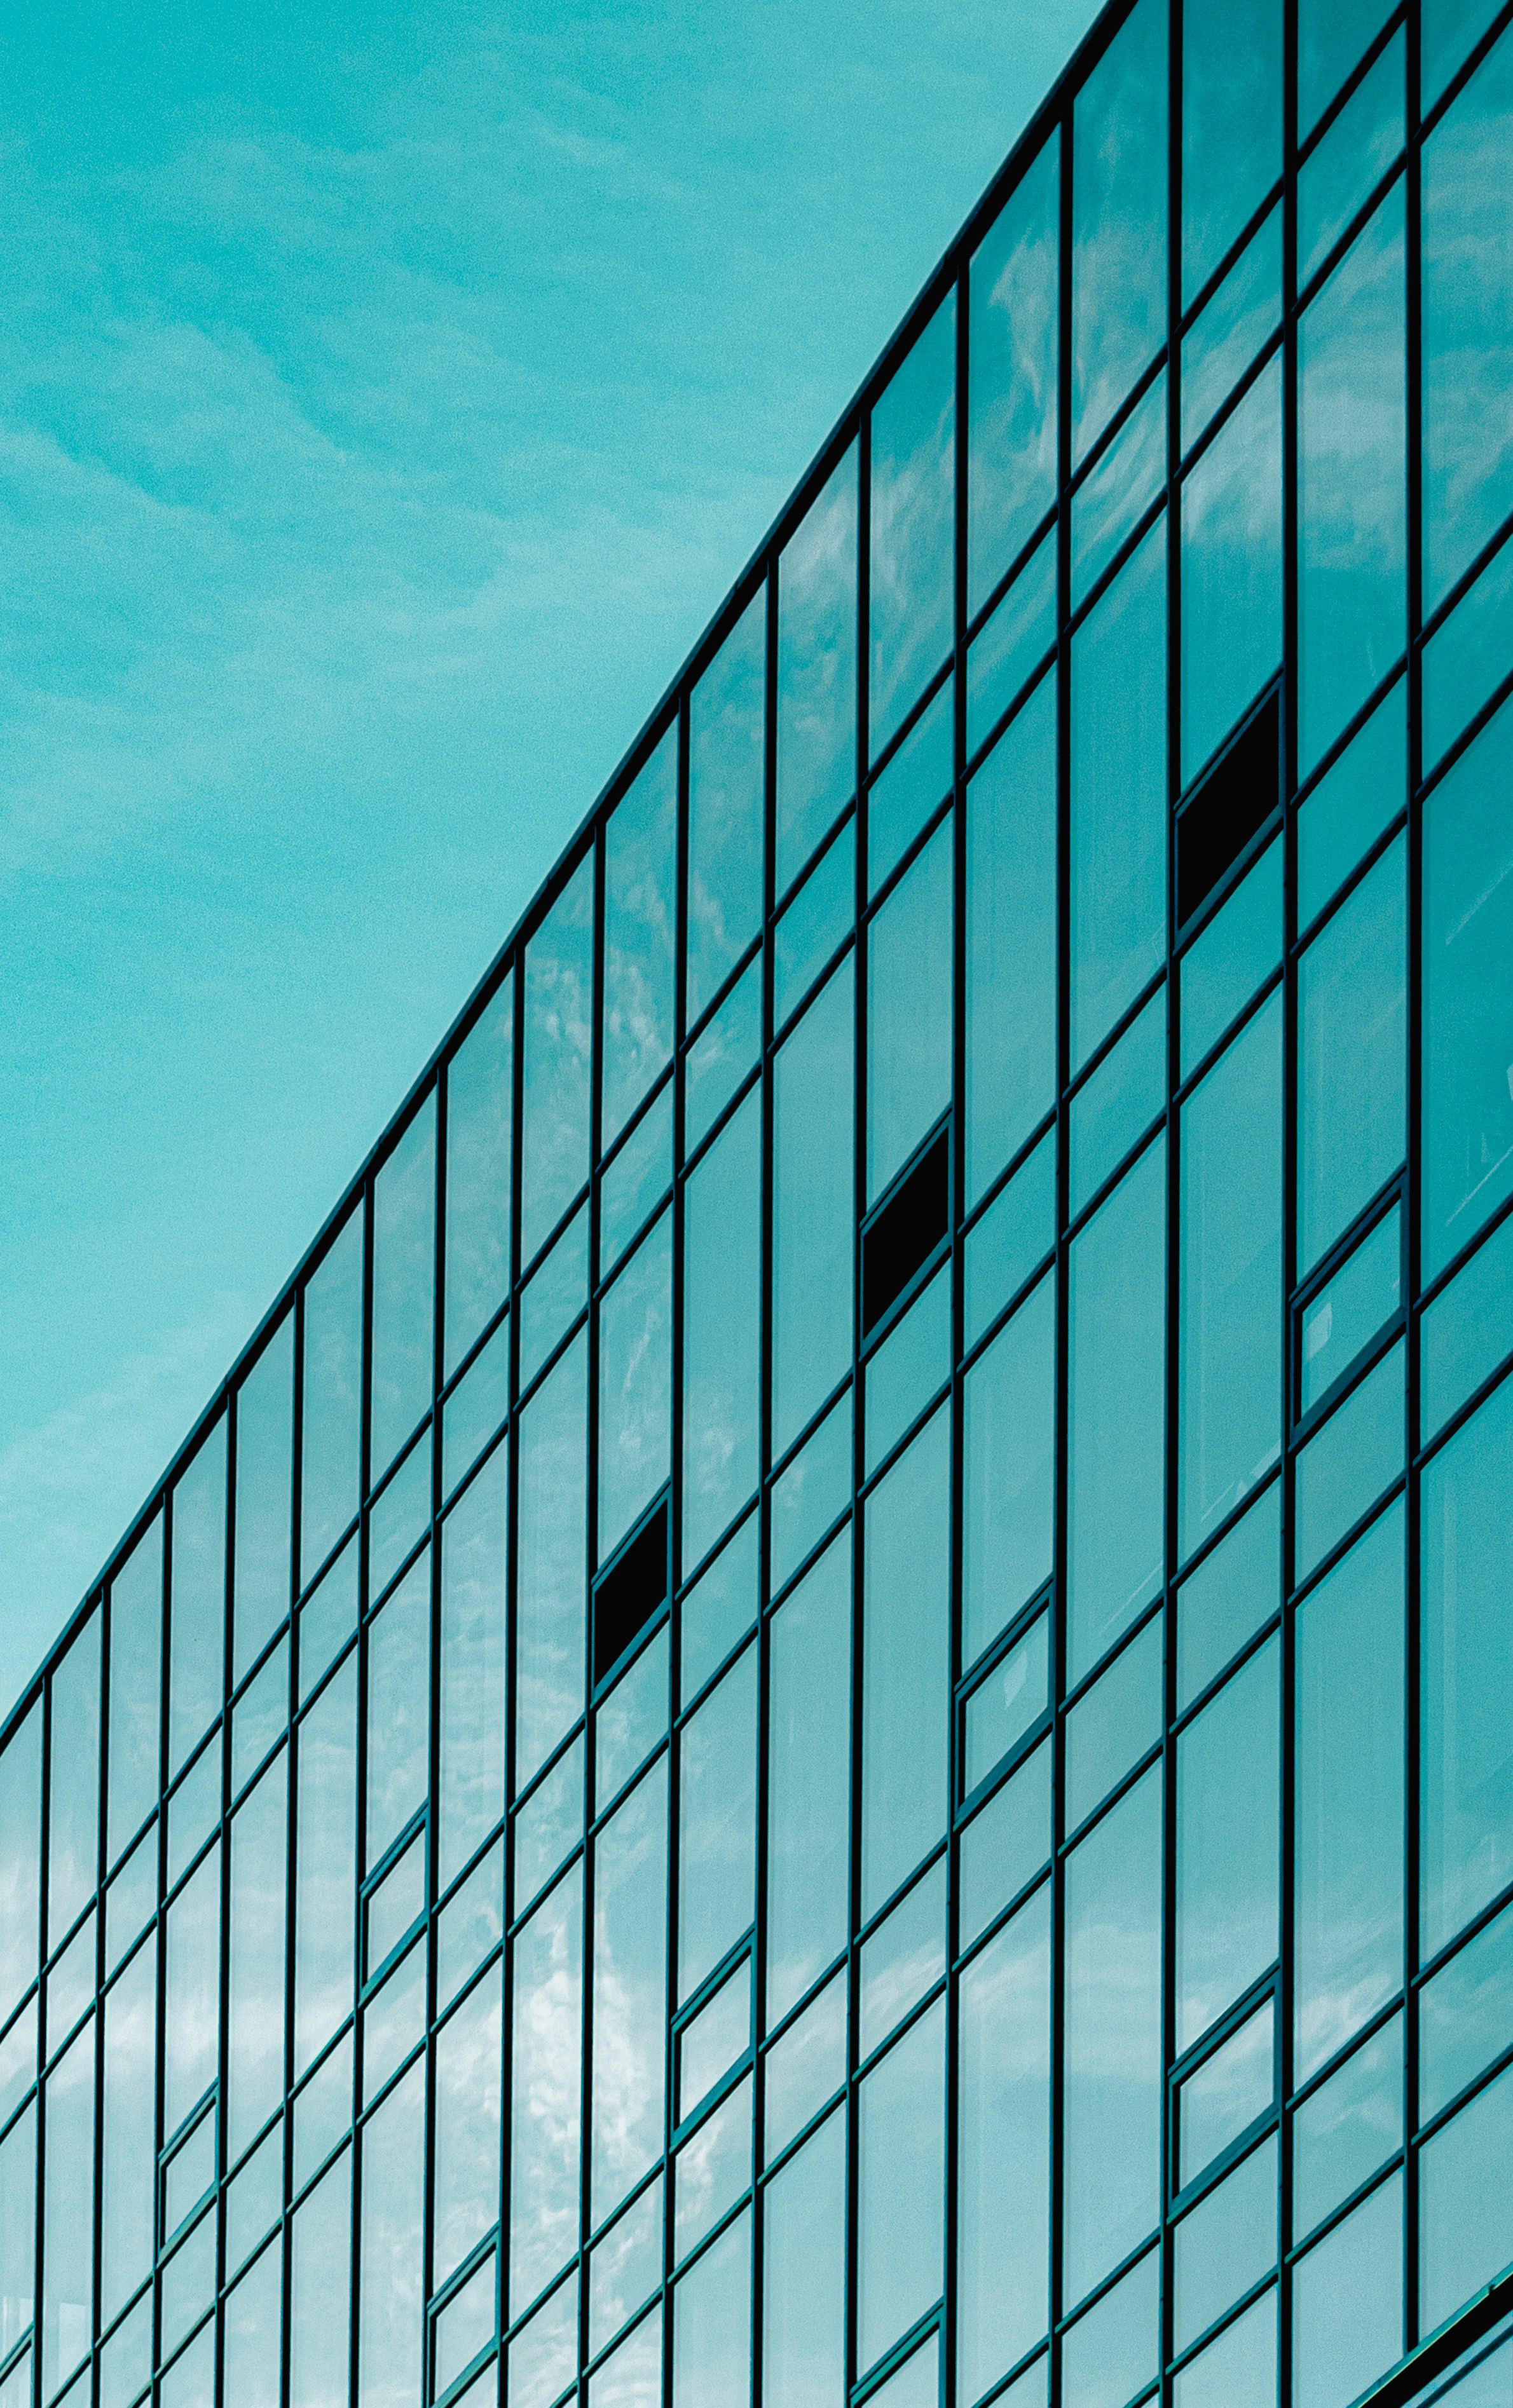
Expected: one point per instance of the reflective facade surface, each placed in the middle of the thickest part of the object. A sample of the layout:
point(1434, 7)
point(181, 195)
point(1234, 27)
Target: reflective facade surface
point(827, 1715)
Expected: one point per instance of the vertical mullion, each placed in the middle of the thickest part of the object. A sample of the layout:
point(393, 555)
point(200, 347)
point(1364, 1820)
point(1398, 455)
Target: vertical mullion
point(516, 977)
point(590, 1548)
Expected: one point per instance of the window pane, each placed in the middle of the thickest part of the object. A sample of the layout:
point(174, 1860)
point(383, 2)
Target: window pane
point(804, 2276)
point(900, 2167)
point(1331, 35)
point(265, 1494)
point(711, 2325)
point(809, 1780)
point(812, 1209)
point(1004, 2241)
point(68, 2213)
point(1232, 127)
point(1012, 376)
point(21, 1858)
point(326, 1860)
point(1118, 220)
point(1468, 1017)
point(255, 2019)
point(1009, 1471)
point(905, 1664)
point(196, 1637)
point(1347, 2303)
point(721, 1331)
point(479, 1118)
point(545, 2088)
point(320, 2292)
point(128, 2146)
point(558, 1037)
point(639, 852)
point(1464, 2224)
point(727, 742)
point(331, 1430)
point(1231, 570)
point(1231, 1277)
point(1011, 941)
point(1228, 1811)
point(391, 2326)
point(552, 1543)
point(817, 671)
point(909, 1012)
point(1118, 794)
point(1467, 313)
point(398, 1709)
point(472, 1670)
point(404, 1289)
point(1352, 1067)
point(629, 2005)
point(913, 514)
point(136, 1688)
point(635, 1386)
point(470, 2065)
point(717, 1824)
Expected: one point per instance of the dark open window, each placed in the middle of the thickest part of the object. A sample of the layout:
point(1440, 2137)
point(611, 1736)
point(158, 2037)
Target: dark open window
point(630, 1590)
point(1238, 797)
point(906, 1230)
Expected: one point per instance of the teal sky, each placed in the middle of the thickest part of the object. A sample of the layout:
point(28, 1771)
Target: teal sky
point(387, 398)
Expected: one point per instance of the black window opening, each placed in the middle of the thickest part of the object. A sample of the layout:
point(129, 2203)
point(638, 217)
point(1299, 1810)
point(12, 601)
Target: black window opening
point(630, 1590)
point(906, 1230)
point(1235, 799)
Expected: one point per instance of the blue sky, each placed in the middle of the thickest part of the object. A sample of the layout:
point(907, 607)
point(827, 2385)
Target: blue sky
point(387, 398)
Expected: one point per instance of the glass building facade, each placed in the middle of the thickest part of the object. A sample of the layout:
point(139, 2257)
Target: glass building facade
point(828, 1714)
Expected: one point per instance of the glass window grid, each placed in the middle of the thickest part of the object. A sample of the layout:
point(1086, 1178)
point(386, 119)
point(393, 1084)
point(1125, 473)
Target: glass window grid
point(1284, 340)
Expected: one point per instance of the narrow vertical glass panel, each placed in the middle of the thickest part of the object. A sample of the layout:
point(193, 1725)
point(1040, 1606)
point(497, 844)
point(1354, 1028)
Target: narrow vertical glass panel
point(126, 2364)
point(1227, 2093)
point(1347, 2303)
point(398, 1516)
point(1232, 570)
point(1354, 154)
point(722, 1331)
point(1012, 380)
point(472, 1924)
point(1467, 310)
point(1228, 1810)
point(136, 1688)
point(633, 2378)
point(1348, 1464)
point(1240, 947)
point(21, 1858)
point(718, 1610)
point(475, 1409)
point(804, 2275)
point(813, 1245)
point(398, 1709)
point(470, 2321)
point(1354, 800)
point(809, 1780)
point(1465, 1333)
point(1233, 1592)
point(469, 2066)
point(128, 2147)
point(559, 1051)
point(913, 1362)
point(1331, 35)
point(1348, 2126)
point(624, 2267)
point(726, 745)
point(554, 1296)
point(807, 2066)
point(471, 1797)
point(635, 1386)
point(1348, 1864)
point(1352, 536)
point(810, 1493)
point(909, 1012)
point(404, 1290)
point(711, 2042)
point(320, 2292)
point(906, 1673)
point(1011, 941)
point(1118, 221)
point(1016, 1231)
point(546, 2087)
point(1467, 656)
point(904, 1957)
point(18, 2059)
point(1467, 1036)
point(70, 1983)
point(712, 2170)
point(18, 2242)
point(1226, 2243)
point(901, 2170)
point(479, 1123)
point(916, 777)
point(540, 2360)
point(1352, 1055)
point(1116, 1372)
point(549, 1574)
point(640, 863)
point(1004, 2119)
point(390, 2322)
point(816, 670)
point(1344, 1317)
point(1115, 492)
point(1111, 2107)
point(711, 2325)
point(1009, 1471)
point(1121, 1099)
point(68, 2213)
point(635, 1181)
point(629, 2006)
point(197, 1614)
point(195, 1804)
point(325, 1859)
point(1466, 1521)
point(1006, 1844)
point(1011, 644)
point(331, 1430)
point(1235, 321)
point(192, 1992)
point(717, 1824)
point(327, 1619)
point(1231, 1308)
point(1112, 2352)
point(1113, 1724)
point(818, 919)
point(1463, 2198)
point(264, 1497)
point(254, 2013)
point(74, 1781)
point(1231, 128)
point(1119, 790)
point(721, 1056)
point(912, 560)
